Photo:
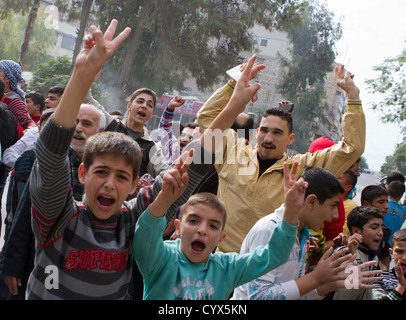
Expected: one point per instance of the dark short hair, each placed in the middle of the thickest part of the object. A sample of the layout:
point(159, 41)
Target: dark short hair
point(281, 114)
point(246, 126)
point(369, 193)
point(394, 176)
point(57, 90)
point(351, 176)
point(37, 98)
point(115, 143)
point(206, 198)
point(399, 235)
point(46, 114)
point(322, 183)
point(190, 125)
point(396, 189)
point(359, 216)
point(137, 92)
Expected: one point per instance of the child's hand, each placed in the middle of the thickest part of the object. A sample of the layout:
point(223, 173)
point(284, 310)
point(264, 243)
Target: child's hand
point(174, 184)
point(294, 193)
point(176, 102)
point(401, 277)
point(175, 180)
point(294, 190)
point(98, 48)
point(342, 238)
point(353, 242)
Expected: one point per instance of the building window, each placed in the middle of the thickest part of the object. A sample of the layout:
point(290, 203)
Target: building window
point(264, 43)
point(68, 42)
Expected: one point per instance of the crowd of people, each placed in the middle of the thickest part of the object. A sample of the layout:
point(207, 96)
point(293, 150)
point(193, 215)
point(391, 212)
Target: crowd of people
point(98, 209)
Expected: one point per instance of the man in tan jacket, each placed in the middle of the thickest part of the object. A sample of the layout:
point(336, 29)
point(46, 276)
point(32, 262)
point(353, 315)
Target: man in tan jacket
point(251, 177)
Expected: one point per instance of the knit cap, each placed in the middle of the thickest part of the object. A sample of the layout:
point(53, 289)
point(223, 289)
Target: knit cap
point(13, 71)
point(320, 144)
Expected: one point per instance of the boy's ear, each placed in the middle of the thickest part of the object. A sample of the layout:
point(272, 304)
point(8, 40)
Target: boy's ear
point(366, 203)
point(81, 173)
point(177, 224)
point(311, 200)
point(223, 235)
point(355, 229)
point(348, 188)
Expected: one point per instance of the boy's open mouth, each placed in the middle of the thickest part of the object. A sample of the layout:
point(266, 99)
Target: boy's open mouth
point(141, 114)
point(198, 246)
point(105, 201)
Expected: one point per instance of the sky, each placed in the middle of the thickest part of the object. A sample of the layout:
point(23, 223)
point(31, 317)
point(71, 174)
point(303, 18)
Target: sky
point(372, 31)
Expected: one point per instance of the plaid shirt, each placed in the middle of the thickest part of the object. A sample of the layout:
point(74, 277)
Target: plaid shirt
point(168, 141)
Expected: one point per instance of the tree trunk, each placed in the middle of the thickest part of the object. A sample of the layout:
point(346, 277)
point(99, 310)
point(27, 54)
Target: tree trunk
point(84, 18)
point(28, 31)
point(135, 41)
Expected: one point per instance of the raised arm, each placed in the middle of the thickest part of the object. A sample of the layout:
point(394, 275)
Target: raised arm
point(169, 143)
point(220, 98)
point(243, 93)
point(97, 49)
point(346, 82)
point(174, 184)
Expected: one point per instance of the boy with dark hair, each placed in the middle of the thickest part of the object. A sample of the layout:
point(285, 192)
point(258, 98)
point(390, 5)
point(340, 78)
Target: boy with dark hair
point(289, 281)
point(394, 176)
point(186, 268)
point(377, 196)
point(54, 97)
point(393, 282)
point(348, 181)
point(365, 224)
point(35, 105)
point(396, 215)
point(84, 249)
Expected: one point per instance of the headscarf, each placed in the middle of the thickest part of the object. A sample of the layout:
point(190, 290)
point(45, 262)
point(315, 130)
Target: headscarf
point(13, 71)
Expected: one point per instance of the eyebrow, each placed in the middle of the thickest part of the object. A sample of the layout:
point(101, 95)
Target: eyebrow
point(193, 215)
point(143, 99)
point(375, 224)
point(107, 167)
point(273, 129)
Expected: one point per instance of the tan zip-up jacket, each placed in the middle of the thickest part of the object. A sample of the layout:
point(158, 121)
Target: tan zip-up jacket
point(248, 197)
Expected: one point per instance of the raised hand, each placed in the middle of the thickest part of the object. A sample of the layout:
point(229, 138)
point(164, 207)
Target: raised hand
point(346, 82)
point(175, 180)
point(176, 102)
point(174, 183)
point(244, 92)
point(294, 193)
point(294, 190)
point(98, 48)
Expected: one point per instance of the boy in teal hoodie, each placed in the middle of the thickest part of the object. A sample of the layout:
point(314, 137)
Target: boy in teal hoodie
point(186, 268)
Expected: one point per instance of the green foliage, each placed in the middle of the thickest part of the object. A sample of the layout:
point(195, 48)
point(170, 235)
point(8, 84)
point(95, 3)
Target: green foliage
point(55, 72)
point(12, 27)
point(389, 87)
point(303, 78)
point(363, 163)
point(188, 38)
point(396, 161)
